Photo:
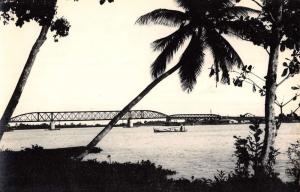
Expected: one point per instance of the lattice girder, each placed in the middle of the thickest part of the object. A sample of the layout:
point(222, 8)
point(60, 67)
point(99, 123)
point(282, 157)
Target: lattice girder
point(85, 116)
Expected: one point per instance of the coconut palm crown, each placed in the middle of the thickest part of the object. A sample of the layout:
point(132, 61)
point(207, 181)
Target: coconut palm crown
point(202, 22)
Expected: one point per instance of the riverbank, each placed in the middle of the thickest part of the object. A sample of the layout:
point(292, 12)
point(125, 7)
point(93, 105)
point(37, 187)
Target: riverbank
point(37, 169)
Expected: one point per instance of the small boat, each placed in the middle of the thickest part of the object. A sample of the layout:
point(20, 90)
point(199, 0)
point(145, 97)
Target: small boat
point(170, 129)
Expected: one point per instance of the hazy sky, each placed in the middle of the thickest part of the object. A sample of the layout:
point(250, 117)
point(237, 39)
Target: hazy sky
point(105, 62)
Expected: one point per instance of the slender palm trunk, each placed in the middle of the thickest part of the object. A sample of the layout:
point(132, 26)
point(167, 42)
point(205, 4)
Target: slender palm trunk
point(127, 108)
point(270, 121)
point(14, 100)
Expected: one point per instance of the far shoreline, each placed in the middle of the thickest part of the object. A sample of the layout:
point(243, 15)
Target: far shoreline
point(123, 125)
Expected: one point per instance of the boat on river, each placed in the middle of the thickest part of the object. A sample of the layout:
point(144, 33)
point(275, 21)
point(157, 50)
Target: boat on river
point(170, 129)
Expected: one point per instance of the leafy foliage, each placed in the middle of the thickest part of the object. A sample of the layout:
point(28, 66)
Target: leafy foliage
point(61, 27)
point(103, 1)
point(40, 11)
point(292, 68)
point(22, 11)
point(294, 160)
point(276, 26)
point(259, 29)
point(243, 76)
point(248, 152)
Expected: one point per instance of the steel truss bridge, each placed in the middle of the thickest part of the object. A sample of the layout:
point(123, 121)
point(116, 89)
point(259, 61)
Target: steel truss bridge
point(52, 117)
point(102, 115)
point(84, 116)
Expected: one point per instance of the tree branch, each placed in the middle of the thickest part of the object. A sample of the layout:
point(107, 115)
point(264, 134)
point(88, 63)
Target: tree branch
point(291, 99)
point(283, 80)
point(267, 51)
point(256, 85)
point(258, 76)
point(257, 3)
point(296, 109)
point(253, 83)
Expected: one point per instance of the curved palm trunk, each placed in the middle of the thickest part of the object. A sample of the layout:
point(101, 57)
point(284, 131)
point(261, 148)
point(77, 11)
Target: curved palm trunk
point(127, 108)
point(270, 121)
point(14, 100)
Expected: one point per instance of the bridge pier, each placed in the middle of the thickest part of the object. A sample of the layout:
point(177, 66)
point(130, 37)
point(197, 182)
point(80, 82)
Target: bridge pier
point(168, 120)
point(52, 125)
point(129, 122)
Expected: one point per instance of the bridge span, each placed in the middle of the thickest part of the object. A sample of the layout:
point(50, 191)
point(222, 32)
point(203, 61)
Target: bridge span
point(53, 117)
point(85, 116)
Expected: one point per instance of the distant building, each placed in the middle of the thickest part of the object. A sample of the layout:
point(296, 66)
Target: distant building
point(247, 115)
point(245, 121)
point(232, 121)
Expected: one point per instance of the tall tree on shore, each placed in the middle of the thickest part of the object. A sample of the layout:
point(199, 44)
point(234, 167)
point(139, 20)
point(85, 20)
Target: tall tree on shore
point(203, 23)
point(20, 11)
point(276, 29)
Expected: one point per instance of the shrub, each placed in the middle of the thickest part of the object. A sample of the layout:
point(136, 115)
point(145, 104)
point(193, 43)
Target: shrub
point(248, 152)
point(294, 160)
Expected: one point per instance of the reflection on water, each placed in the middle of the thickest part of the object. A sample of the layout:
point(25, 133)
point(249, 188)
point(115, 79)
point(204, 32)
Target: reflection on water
point(199, 152)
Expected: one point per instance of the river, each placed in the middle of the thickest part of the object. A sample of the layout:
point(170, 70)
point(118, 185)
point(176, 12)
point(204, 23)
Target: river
point(200, 152)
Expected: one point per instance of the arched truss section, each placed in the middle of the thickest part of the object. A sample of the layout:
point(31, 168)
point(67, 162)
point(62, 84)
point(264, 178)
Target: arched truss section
point(85, 116)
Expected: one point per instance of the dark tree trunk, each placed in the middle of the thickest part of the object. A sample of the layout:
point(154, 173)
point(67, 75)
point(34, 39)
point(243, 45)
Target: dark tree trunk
point(270, 121)
point(14, 100)
point(127, 108)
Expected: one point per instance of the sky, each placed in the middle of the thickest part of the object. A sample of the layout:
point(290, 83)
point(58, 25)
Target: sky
point(105, 62)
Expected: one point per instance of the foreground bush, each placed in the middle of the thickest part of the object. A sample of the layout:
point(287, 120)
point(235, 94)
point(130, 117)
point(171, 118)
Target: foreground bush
point(294, 161)
point(39, 170)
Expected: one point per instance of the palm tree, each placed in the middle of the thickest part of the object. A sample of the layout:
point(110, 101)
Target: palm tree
point(43, 13)
point(203, 23)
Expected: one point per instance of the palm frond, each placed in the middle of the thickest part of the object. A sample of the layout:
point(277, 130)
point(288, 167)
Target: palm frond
point(180, 34)
point(225, 79)
point(191, 62)
point(169, 46)
point(225, 57)
point(238, 28)
point(253, 30)
point(206, 5)
point(240, 11)
point(163, 17)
